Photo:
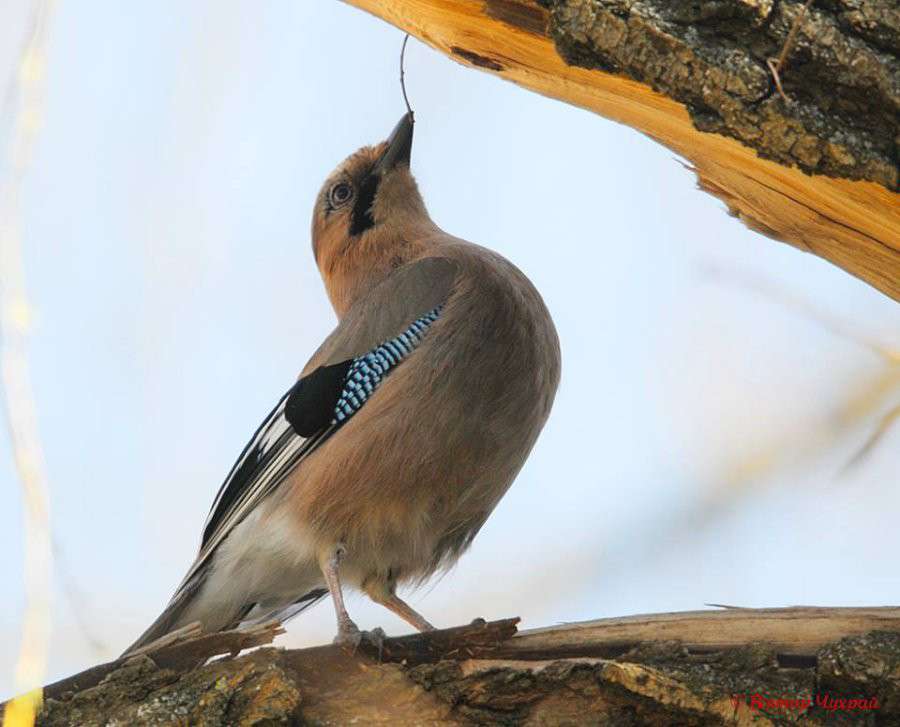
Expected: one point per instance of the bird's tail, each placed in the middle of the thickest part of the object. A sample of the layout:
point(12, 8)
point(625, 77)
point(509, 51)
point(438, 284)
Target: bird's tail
point(177, 615)
point(168, 621)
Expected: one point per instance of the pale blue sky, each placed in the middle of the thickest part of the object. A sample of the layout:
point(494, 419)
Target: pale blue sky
point(168, 258)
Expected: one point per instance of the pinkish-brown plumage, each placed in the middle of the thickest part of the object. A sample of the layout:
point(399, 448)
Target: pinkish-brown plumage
point(401, 488)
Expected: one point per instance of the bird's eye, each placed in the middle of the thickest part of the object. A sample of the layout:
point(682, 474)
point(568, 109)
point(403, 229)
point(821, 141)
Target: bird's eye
point(341, 193)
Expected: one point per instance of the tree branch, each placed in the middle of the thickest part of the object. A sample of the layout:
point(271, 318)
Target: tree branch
point(819, 173)
point(697, 668)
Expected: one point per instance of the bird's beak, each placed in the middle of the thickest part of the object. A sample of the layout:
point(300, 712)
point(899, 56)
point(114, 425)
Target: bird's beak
point(399, 146)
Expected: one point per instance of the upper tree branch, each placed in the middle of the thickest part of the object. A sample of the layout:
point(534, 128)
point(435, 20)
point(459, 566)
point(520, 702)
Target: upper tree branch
point(819, 172)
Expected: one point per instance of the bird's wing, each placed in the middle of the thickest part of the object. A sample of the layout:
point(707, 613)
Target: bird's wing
point(374, 336)
point(407, 293)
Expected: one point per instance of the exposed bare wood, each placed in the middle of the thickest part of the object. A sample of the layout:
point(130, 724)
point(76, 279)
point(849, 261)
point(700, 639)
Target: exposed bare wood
point(791, 632)
point(851, 218)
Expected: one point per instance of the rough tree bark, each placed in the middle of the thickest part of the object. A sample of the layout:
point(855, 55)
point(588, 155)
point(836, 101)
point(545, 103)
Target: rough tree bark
point(697, 668)
point(817, 168)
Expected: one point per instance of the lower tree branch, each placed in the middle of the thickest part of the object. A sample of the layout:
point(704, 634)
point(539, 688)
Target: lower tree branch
point(729, 666)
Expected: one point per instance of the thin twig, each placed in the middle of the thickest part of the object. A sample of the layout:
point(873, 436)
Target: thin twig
point(403, 73)
point(776, 65)
point(77, 602)
point(843, 329)
point(889, 355)
point(884, 425)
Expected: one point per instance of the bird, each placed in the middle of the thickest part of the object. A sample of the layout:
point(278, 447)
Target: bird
point(383, 460)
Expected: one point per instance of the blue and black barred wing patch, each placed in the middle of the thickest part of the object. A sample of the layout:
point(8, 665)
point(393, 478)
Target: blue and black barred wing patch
point(365, 373)
point(330, 395)
point(308, 413)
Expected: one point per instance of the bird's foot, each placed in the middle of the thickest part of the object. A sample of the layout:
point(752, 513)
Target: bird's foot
point(350, 637)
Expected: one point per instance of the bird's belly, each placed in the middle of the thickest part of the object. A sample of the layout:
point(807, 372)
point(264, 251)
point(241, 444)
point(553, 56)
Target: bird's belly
point(395, 556)
point(401, 488)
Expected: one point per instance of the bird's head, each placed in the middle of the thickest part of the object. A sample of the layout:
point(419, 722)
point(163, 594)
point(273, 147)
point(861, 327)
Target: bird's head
point(369, 217)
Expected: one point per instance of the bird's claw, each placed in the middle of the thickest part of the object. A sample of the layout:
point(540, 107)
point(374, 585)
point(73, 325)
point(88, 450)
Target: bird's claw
point(350, 637)
point(376, 638)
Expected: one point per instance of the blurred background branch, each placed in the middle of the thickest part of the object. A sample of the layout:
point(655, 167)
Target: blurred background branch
point(27, 95)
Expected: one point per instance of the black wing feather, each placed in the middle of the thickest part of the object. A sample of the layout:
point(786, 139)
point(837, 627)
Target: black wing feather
point(310, 403)
point(243, 469)
point(305, 411)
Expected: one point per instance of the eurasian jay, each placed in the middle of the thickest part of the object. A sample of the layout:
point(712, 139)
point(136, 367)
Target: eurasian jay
point(404, 430)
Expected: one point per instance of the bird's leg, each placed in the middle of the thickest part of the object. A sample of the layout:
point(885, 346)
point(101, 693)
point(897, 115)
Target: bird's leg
point(348, 632)
point(386, 597)
point(406, 612)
